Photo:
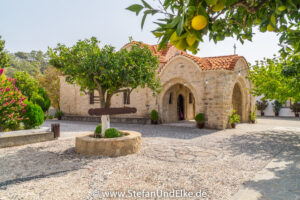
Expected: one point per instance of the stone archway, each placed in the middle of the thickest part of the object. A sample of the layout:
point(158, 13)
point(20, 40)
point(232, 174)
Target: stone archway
point(178, 104)
point(237, 100)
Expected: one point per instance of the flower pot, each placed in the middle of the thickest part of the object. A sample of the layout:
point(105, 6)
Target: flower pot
point(262, 113)
point(276, 114)
point(154, 121)
point(200, 125)
point(296, 114)
point(233, 125)
point(252, 121)
point(59, 118)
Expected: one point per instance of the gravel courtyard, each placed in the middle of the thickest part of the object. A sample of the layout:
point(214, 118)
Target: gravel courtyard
point(172, 157)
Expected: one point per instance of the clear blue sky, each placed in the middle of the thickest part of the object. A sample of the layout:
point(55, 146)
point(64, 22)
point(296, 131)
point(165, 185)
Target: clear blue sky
point(28, 25)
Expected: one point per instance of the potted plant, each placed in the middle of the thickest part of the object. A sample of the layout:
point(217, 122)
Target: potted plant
point(262, 105)
point(200, 119)
point(154, 117)
point(59, 114)
point(276, 107)
point(252, 116)
point(234, 118)
point(296, 109)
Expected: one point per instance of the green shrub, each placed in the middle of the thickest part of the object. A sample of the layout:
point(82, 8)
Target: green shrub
point(59, 114)
point(44, 95)
point(276, 106)
point(234, 117)
point(34, 115)
point(154, 115)
point(200, 118)
point(98, 131)
point(112, 133)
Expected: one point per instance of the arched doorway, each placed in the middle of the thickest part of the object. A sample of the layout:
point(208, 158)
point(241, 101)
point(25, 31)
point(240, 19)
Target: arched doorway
point(178, 103)
point(180, 107)
point(237, 100)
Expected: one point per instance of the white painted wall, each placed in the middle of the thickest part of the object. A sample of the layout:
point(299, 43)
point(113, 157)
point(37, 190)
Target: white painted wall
point(284, 112)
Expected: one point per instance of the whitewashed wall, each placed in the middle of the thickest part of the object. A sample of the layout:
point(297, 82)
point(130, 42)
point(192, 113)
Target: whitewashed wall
point(284, 112)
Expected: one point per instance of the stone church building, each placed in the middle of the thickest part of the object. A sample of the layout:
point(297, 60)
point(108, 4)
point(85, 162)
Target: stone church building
point(190, 85)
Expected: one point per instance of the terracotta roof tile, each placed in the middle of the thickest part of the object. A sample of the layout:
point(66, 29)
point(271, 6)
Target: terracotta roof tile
point(205, 63)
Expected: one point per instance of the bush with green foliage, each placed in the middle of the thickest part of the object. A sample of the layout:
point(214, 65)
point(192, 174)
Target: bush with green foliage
point(154, 115)
point(98, 131)
point(200, 118)
point(112, 133)
point(234, 117)
point(26, 83)
point(29, 86)
point(34, 115)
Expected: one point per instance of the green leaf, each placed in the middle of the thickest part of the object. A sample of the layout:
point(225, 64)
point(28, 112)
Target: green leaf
point(143, 20)
point(135, 8)
point(173, 23)
point(146, 4)
point(180, 26)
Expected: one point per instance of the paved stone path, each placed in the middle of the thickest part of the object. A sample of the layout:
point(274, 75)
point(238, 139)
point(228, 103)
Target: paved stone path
point(173, 157)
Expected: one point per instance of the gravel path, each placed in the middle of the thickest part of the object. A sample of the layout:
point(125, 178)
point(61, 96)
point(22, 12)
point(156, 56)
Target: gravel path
point(190, 159)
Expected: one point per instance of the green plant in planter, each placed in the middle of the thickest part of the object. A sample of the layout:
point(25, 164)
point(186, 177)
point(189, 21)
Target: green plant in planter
point(200, 119)
point(296, 109)
point(234, 118)
point(253, 115)
point(112, 133)
point(276, 107)
point(154, 117)
point(262, 105)
point(98, 131)
point(59, 114)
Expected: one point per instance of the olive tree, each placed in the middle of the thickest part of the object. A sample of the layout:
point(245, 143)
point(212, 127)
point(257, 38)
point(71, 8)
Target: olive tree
point(106, 70)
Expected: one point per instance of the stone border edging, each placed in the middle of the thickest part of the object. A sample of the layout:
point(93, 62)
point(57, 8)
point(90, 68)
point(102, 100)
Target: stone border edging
point(121, 146)
point(22, 137)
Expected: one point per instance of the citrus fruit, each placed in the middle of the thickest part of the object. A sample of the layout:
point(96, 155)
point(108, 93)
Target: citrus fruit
point(174, 38)
point(270, 28)
point(219, 6)
point(190, 39)
point(199, 22)
point(181, 44)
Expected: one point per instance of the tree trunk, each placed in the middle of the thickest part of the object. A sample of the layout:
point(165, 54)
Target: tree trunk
point(105, 121)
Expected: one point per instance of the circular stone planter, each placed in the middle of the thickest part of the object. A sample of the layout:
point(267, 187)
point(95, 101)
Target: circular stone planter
point(129, 143)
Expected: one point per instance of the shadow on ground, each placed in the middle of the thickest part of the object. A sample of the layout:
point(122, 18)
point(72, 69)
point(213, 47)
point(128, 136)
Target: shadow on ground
point(36, 162)
point(281, 177)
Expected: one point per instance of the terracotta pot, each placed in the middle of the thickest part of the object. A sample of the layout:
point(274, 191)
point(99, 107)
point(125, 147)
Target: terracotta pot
point(252, 121)
point(276, 114)
point(154, 121)
point(59, 118)
point(296, 114)
point(262, 113)
point(200, 125)
point(233, 125)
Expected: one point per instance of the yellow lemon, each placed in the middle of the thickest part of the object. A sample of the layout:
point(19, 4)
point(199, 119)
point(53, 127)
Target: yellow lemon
point(270, 28)
point(219, 6)
point(199, 22)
